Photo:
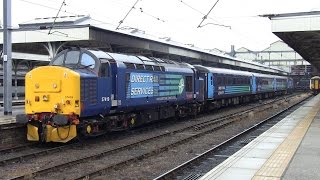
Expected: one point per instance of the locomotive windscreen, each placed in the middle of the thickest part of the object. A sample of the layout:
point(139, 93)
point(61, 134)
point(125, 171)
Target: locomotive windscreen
point(74, 58)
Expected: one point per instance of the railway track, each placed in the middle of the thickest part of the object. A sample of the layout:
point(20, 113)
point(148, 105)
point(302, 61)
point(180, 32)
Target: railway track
point(182, 136)
point(173, 173)
point(11, 134)
point(37, 150)
point(218, 124)
point(16, 148)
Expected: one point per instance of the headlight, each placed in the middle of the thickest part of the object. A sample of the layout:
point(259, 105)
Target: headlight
point(45, 97)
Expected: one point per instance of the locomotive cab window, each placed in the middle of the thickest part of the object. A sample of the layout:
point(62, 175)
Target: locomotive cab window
point(87, 61)
point(75, 59)
point(58, 61)
point(104, 68)
point(72, 57)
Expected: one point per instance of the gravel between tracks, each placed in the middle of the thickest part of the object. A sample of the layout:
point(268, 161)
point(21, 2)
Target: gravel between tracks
point(154, 166)
point(146, 169)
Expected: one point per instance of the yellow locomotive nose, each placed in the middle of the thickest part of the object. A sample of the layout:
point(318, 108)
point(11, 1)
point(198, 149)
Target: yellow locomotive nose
point(52, 91)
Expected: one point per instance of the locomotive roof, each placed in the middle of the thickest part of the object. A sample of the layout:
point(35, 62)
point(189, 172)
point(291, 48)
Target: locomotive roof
point(222, 71)
point(170, 66)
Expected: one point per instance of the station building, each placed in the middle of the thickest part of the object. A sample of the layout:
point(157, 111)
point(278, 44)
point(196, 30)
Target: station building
point(282, 56)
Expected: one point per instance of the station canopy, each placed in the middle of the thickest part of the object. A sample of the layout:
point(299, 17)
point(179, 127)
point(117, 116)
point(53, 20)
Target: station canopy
point(42, 36)
point(301, 31)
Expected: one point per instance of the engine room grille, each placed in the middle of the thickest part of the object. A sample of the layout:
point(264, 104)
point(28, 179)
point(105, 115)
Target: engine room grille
point(89, 90)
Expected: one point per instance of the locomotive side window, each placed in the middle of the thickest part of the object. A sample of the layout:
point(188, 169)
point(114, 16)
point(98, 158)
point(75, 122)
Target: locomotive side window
point(72, 57)
point(157, 68)
point(130, 65)
point(87, 60)
point(149, 67)
point(104, 70)
point(139, 66)
point(189, 84)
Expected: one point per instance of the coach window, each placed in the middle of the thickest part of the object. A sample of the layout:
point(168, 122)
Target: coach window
point(235, 80)
point(230, 80)
point(189, 84)
point(224, 81)
point(218, 80)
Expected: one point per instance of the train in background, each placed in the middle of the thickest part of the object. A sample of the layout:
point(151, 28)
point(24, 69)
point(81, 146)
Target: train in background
point(17, 86)
point(315, 85)
point(85, 92)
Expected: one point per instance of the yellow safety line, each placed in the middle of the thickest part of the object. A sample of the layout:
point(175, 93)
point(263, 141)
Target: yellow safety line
point(276, 165)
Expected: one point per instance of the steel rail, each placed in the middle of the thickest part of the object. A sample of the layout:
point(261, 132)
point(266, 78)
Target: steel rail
point(128, 146)
point(171, 173)
point(150, 153)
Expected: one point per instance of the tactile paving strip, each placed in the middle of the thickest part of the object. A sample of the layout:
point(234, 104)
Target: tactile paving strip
point(275, 166)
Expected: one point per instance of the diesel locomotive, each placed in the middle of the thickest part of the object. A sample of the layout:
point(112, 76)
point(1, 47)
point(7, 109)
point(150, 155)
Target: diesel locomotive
point(86, 92)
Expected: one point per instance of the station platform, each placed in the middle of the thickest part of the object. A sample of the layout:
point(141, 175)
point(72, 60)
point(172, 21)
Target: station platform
point(8, 119)
point(288, 150)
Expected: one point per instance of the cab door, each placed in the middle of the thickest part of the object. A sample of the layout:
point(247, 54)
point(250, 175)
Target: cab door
point(105, 85)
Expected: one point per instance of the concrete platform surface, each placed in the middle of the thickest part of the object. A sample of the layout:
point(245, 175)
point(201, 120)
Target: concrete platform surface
point(7, 119)
point(288, 150)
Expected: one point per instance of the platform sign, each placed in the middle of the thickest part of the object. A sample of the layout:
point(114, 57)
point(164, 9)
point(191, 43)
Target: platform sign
point(141, 85)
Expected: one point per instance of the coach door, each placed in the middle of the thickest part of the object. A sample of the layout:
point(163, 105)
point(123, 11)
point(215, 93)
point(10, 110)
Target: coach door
point(253, 84)
point(210, 86)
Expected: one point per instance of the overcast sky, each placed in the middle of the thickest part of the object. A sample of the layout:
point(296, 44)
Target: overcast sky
point(177, 19)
